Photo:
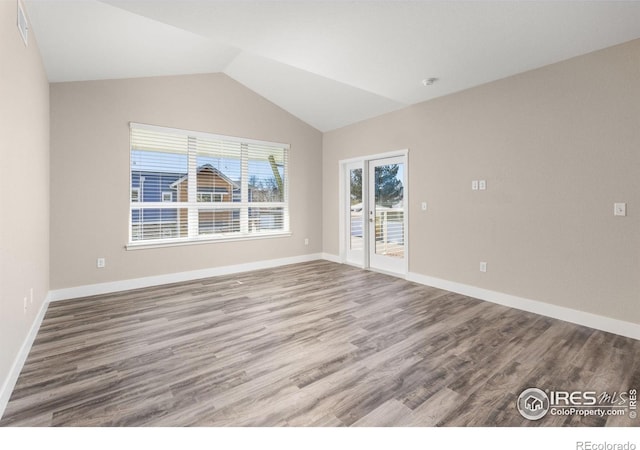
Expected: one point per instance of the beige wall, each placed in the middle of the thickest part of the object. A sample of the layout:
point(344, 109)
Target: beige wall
point(557, 146)
point(24, 187)
point(90, 173)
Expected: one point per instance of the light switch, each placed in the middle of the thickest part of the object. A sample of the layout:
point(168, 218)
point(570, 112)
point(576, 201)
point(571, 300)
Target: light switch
point(482, 185)
point(424, 206)
point(474, 185)
point(619, 209)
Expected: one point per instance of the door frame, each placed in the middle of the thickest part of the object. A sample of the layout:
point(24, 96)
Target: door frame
point(342, 204)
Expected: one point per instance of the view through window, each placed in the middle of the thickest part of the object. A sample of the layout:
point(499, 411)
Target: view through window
point(192, 186)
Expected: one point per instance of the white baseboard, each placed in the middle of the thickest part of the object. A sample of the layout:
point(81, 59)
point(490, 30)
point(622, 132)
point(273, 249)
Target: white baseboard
point(10, 382)
point(137, 283)
point(602, 323)
point(331, 257)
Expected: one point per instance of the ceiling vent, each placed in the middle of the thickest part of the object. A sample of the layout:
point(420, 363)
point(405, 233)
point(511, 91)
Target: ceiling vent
point(23, 25)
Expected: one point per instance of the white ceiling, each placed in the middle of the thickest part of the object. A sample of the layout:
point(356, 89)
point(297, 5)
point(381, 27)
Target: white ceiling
point(330, 63)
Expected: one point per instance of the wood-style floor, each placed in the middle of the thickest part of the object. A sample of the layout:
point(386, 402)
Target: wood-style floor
point(314, 344)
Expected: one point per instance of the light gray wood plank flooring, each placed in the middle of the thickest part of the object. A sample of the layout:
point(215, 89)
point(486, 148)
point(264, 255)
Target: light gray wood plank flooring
point(314, 344)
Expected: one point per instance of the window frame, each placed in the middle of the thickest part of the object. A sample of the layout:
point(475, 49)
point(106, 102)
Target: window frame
point(193, 208)
point(170, 194)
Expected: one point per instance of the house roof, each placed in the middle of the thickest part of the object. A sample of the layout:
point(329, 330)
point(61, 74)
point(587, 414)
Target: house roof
point(210, 168)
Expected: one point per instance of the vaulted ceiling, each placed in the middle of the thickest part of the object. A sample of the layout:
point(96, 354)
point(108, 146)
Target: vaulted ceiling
point(330, 63)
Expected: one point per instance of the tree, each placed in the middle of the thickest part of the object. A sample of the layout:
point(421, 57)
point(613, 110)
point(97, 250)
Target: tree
point(356, 186)
point(273, 189)
point(254, 182)
point(389, 189)
point(265, 189)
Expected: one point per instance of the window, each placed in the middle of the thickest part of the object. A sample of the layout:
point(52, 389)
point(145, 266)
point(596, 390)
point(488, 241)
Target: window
point(209, 197)
point(191, 186)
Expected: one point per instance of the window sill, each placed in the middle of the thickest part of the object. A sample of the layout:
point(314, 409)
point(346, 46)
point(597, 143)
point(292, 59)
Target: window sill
point(175, 243)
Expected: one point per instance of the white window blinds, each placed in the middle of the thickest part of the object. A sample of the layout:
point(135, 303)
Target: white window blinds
point(193, 186)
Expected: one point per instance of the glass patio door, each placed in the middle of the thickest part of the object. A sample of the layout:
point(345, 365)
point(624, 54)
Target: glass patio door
point(387, 215)
point(355, 201)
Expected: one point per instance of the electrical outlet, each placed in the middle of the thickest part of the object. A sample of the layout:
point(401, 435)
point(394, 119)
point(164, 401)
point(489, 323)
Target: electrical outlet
point(619, 209)
point(306, 241)
point(482, 185)
point(483, 266)
point(101, 263)
point(474, 185)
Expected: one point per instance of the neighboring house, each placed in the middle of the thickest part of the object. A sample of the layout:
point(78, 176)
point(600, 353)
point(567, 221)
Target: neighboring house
point(212, 187)
point(153, 186)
